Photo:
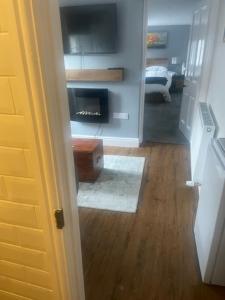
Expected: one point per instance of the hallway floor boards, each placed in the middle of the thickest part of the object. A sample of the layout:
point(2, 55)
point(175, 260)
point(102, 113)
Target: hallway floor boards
point(149, 255)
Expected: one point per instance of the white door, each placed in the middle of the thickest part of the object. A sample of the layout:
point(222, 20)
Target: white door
point(194, 66)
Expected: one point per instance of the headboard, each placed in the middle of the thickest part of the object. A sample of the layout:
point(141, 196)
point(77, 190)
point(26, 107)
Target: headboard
point(164, 62)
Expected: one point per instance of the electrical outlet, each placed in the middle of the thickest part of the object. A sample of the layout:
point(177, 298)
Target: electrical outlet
point(122, 116)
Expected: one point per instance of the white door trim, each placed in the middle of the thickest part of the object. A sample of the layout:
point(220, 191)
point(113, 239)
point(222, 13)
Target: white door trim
point(142, 88)
point(42, 47)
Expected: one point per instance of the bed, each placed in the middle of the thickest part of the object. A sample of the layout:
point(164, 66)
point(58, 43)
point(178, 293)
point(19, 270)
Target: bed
point(158, 79)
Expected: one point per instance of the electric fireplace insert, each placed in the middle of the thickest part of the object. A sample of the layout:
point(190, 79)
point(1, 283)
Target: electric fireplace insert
point(88, 105)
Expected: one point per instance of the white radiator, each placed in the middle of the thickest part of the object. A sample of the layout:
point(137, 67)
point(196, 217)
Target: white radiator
point(203, 132)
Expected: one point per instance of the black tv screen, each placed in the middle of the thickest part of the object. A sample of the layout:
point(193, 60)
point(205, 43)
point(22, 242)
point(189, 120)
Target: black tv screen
point(89, 29)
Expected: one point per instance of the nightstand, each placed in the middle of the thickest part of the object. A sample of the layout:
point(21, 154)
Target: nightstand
point(177, 83)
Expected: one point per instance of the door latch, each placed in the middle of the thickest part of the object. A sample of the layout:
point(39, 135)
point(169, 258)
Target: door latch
point(59, 217)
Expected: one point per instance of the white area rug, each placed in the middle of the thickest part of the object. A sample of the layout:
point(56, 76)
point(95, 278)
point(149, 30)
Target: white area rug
point(117, 187)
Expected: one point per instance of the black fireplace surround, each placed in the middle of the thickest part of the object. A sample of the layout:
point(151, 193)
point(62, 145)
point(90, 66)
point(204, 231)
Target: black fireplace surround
point(88, 105)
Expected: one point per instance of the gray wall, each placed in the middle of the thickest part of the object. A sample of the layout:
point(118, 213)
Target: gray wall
point(178, 38)
point(125, 95)
point(171, 12)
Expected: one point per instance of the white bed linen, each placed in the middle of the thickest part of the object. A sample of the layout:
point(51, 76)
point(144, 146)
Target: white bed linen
point(158, 71)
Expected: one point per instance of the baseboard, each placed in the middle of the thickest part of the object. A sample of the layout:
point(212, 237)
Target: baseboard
point(113, 141)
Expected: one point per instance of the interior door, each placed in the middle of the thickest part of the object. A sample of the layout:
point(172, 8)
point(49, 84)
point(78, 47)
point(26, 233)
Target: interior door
point(194, 66)
point(38, 260)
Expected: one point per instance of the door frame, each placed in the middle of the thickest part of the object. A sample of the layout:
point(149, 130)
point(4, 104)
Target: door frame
point(142, 88)
point(41, 44)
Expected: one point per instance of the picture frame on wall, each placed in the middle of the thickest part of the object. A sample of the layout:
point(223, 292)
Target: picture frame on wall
point(157, 39)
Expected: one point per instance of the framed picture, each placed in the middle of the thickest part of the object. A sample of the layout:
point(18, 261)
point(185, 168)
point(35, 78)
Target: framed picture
point(157, 39)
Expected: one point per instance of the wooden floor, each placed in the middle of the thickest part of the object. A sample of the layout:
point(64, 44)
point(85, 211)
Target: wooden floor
point(151, 254)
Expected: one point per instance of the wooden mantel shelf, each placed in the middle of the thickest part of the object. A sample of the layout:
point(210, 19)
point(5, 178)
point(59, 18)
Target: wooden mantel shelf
point(95, 75)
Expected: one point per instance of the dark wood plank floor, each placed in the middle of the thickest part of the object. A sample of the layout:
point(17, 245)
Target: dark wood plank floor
point(149, 255)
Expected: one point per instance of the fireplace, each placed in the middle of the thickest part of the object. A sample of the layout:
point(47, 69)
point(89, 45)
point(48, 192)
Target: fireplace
point(88, 105)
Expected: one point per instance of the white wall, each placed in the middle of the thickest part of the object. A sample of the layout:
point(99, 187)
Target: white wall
point(170, 12)
point(216, 94)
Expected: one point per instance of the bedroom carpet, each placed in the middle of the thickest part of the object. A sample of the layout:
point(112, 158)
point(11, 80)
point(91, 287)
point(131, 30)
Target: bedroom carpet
point(118, 186)
point(161, 119)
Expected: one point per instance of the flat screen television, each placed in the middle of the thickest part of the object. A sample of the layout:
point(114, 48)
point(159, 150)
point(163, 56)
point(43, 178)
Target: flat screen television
point(89, 29)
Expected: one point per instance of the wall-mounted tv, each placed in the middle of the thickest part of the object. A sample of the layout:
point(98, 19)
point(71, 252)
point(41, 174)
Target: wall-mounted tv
point(89, 29)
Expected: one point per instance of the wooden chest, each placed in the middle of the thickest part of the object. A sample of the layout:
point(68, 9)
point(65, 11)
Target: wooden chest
point(88, 158)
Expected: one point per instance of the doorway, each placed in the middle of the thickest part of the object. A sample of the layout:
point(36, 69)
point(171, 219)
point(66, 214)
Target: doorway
point(168, 32)
point(130, 256)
